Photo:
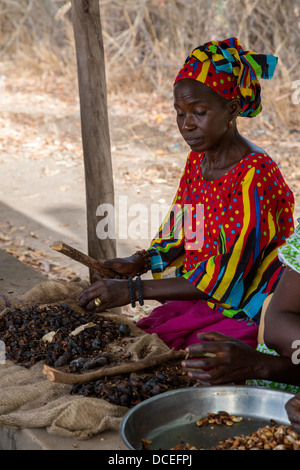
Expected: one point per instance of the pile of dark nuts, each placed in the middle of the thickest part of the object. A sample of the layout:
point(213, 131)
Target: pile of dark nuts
point(22, 333)
point(129, 390)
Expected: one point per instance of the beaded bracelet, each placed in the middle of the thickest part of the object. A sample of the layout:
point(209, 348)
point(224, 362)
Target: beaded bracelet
point(140, 290)
point(131, 292)
point(147, 261)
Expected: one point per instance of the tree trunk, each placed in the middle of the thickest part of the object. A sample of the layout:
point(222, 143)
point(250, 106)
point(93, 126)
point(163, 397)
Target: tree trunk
point(94, 120)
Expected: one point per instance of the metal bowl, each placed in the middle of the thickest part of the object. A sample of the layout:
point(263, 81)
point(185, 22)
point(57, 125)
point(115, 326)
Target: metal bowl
point(170, 418)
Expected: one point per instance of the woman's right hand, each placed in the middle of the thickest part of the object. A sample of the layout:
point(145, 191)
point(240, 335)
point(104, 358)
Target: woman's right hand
point(120, 268)
point(220, 359)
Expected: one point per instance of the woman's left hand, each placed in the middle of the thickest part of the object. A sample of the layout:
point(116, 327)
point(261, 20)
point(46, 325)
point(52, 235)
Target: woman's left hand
point(110, 292)
point(222, 359)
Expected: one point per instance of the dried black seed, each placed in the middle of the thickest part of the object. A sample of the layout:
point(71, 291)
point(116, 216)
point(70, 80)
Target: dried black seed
point(61, 361)
point(100, 361)
point(91, 364)
point(96, 344)
point(124, 329)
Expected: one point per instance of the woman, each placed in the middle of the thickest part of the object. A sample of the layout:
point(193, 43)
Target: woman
point(224, 273)
point(276, 363)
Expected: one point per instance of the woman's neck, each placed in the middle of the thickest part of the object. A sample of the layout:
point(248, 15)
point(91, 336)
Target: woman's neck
point(217, 162)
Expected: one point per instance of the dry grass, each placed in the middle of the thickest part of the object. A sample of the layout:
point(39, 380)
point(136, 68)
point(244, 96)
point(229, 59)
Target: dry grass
point(146, 41)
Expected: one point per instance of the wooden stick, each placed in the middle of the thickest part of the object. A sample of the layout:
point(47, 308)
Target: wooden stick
point(82, 258)
point(55, 375)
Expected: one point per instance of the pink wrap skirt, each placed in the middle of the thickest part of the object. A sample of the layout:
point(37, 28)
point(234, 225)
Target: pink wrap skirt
point(178, 323)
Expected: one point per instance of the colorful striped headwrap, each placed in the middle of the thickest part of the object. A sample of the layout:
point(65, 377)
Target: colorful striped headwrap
point(230, 71)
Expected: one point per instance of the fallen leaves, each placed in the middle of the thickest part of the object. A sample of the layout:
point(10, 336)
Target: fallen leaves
point(12, 240)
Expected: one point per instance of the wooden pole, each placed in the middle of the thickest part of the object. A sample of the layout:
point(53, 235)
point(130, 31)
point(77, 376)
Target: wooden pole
point(94, 120)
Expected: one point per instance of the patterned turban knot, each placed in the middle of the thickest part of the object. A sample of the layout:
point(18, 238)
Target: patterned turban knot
point(230, 71)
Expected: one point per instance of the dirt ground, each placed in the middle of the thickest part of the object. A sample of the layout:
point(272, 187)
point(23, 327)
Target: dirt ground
point(42, 188)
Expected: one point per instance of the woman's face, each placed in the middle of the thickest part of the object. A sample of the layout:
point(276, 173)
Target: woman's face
point(202, 115)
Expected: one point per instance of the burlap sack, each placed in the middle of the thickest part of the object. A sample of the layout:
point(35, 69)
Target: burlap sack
point(29, 400)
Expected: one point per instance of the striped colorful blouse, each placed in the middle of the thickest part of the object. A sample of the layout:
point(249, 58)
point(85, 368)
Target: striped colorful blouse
point(223, 235)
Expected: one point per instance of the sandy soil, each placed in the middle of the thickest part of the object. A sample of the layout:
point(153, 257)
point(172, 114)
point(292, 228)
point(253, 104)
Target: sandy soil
point(42, 175)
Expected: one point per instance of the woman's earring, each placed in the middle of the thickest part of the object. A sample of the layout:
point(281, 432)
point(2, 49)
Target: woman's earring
point(230, 124)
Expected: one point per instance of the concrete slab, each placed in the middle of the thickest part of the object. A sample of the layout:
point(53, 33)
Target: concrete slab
point(40, 439)
point(16, 278)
